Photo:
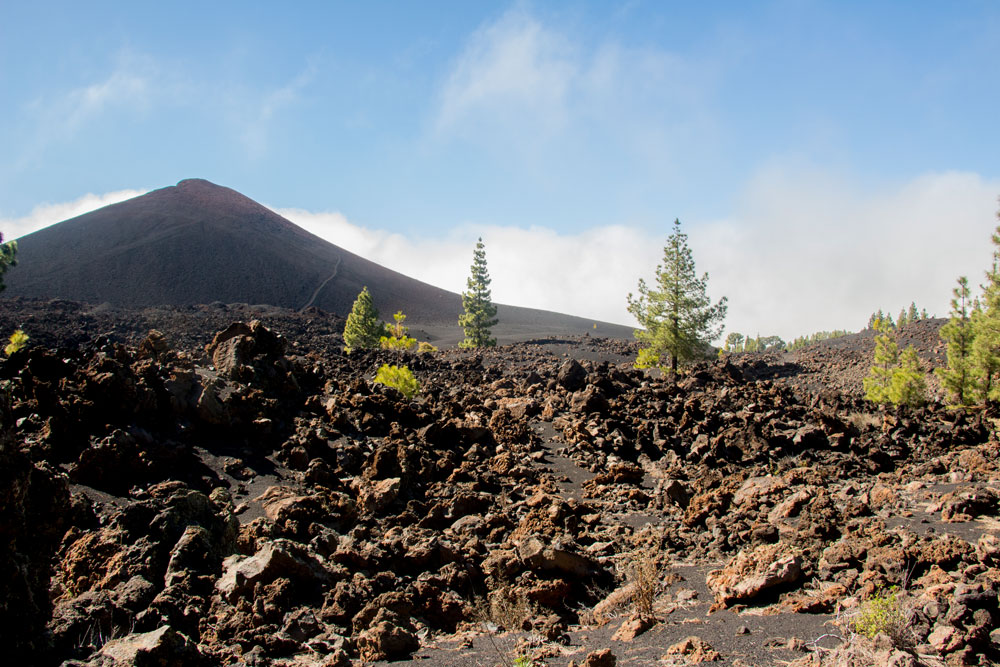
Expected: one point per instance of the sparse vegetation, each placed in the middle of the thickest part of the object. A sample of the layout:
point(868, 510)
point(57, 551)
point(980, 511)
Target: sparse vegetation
point(958, 334)
point(737, 342)
point(363, 329)
point(396, 337)
point(802, 341)
point(894, 378)
point(480, 312)
point(985, 352)
point(884, 613)
point(18, 340)
point(399, 378)
point(642, 572)
point(677, 317)
point(8, 251)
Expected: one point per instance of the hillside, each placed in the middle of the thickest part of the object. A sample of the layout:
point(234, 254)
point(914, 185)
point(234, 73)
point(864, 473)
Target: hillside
point(198, 243)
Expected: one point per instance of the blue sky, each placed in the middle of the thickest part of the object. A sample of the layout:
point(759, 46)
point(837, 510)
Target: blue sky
point(792, 139)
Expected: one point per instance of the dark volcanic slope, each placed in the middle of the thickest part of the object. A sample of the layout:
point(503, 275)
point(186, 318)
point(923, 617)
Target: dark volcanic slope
point(198, 242)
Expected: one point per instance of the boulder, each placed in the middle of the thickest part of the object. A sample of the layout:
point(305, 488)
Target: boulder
point(386, 640)
point(280, 558)
point(163, 647)
point(589, 400)
point(632, 627)
point(558, 557)
point(695, 650)
point(572, 376)
point(750, 573)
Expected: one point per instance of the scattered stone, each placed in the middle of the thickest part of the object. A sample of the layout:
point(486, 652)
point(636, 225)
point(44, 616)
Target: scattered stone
point(695, 650)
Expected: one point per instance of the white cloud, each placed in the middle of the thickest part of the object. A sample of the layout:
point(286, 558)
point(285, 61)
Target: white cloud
point(515, 66)
point(44, 215)
point(803, 252)
point(551, 99)
point(808, 251)
point(255, 111)
point(133, 83)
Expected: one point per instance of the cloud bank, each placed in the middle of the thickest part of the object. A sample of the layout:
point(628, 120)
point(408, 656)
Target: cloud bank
point(801, 252)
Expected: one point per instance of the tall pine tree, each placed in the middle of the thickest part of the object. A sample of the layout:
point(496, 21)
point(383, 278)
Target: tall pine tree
point(678, 319)
point(957, 378)
point(363, 328)
point(480, 313)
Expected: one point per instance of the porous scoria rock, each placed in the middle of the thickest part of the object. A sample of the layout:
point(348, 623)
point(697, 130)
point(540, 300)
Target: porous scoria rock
point(752, 572)
point(632, 627)
point(163, 646)
point(280, 558)
point(695, 650)
point(386, 640)
point(601, 658)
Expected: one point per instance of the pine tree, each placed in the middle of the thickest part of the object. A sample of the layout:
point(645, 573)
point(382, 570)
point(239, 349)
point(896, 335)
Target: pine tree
point(901, 319)
point(677, 317)
point(985, 356)
point(957, 333)
point(908, 386)
point(480, 313)
point(879, 380)
point(734, 342)
point(7, 252)
point(912, 315)
point(363, 328)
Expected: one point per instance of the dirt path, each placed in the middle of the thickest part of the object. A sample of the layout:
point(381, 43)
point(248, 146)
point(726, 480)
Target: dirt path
point(321, 286)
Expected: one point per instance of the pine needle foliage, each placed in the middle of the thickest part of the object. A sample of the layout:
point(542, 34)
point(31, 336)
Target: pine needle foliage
point(397, 338)
point(8, 251)
point(957, 378)
point(894, 378)
point(985, 355)
point(363, 328)
point(677, 317)
point(18, 340)
point(480, 312)
point(399, 378)
point(908, 386)
point(879, 381)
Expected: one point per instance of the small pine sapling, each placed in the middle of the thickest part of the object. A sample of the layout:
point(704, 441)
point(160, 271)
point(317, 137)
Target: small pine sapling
point(396, 337)
point(399, 378)
point(879, 378)
point(362, 330)
point(18, 340)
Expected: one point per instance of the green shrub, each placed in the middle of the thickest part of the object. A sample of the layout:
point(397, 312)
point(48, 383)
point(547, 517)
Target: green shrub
point(399, 378)
point(424, 346)
point(883, 614)
point(18, 339)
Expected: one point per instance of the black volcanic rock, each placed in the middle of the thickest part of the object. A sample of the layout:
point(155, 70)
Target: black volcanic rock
point(198, 243)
